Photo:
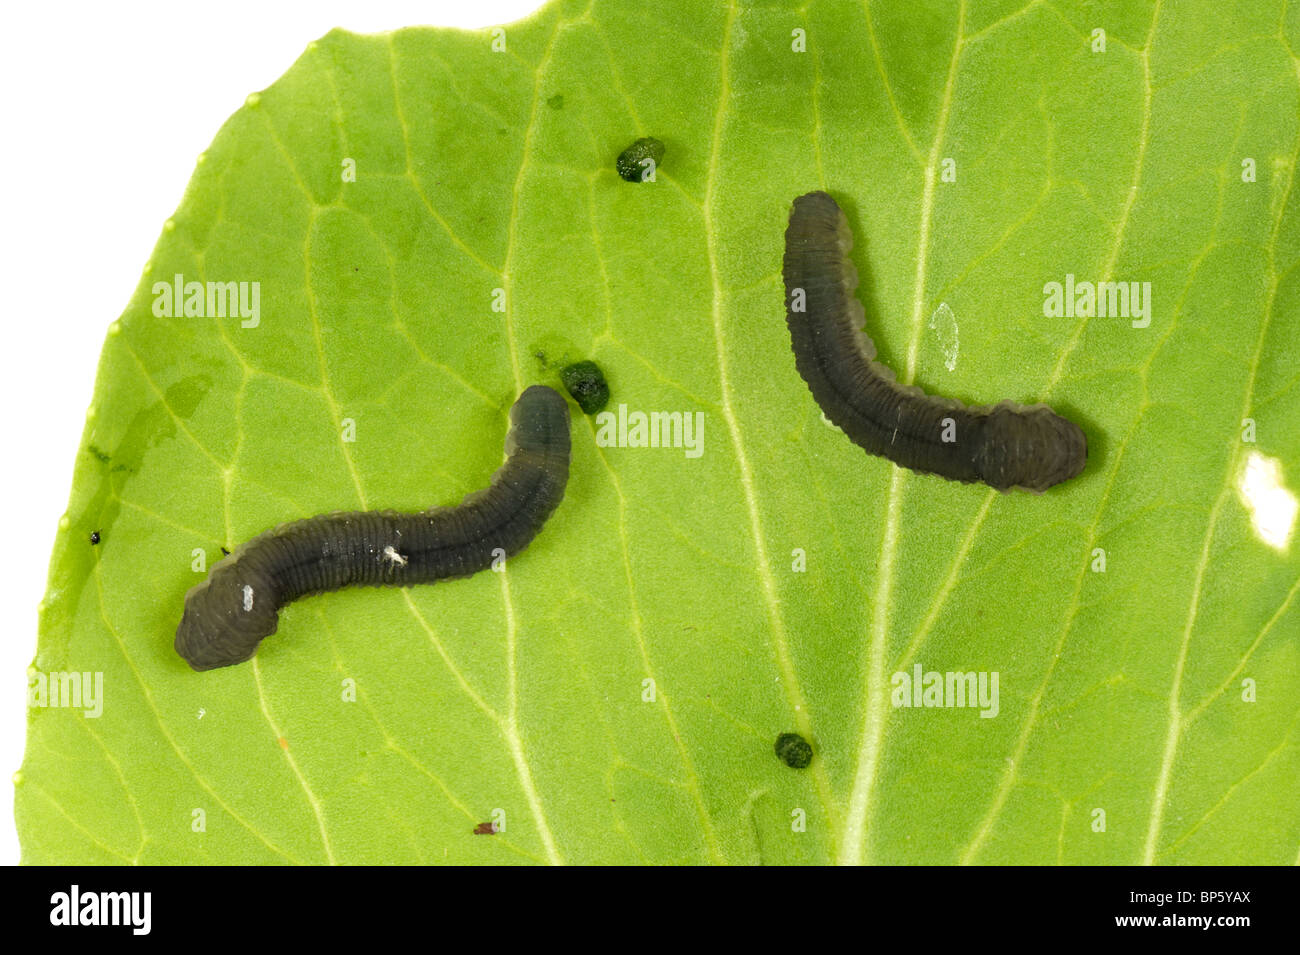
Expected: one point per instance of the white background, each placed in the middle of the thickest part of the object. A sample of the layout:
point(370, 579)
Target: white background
point(106, 107)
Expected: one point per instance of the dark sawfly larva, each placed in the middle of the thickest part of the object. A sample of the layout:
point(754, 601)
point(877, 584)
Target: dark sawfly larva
point(229, 614)
point(1004, 445)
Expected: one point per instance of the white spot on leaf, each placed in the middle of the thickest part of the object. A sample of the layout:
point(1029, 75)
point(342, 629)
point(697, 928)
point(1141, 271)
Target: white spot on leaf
point(944, 325)
point(1271, 505)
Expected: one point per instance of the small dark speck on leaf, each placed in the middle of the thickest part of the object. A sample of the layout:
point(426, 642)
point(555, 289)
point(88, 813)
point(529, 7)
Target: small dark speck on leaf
point(793, 750)
point(225, 552)
point(485, 829)
point(630, 160)
point(94, 537)
point(556, 101)
point(586, 383)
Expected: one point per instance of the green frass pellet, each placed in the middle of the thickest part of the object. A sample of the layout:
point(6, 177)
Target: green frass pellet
point(631, 161)
point(586, 383)
point(793, 750)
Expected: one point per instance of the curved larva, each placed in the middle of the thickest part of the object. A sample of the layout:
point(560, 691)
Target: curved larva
point(1004, 445)
point(229, 614)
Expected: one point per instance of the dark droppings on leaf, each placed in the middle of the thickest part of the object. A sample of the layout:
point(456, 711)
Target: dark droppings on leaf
point(485, 829)
point(553, 352)
point(630, 160)
point(94, 537)
point(224, 552)
point(793, 750)
point(586, 383)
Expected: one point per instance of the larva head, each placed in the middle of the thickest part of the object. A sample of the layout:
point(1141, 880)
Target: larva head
point(226, 617)
point(1032, 448)
point(539, 422)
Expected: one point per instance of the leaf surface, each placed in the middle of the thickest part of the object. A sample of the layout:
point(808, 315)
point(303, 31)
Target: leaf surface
point(614, 696)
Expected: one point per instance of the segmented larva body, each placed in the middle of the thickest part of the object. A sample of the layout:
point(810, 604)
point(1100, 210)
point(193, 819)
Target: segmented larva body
point(1004, 445)
point(228, 614)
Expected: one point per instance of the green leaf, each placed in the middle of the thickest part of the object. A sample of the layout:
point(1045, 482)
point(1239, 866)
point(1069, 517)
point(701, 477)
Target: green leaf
point(1124, 691)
